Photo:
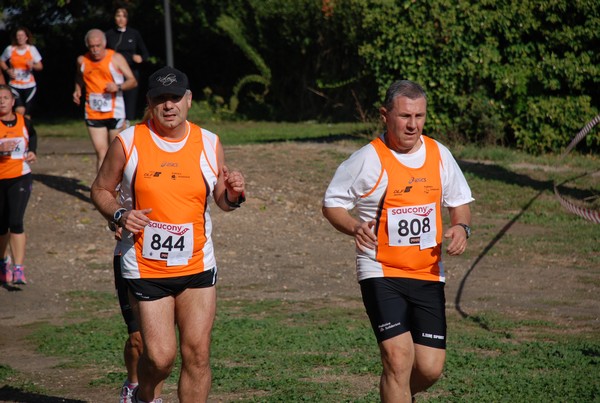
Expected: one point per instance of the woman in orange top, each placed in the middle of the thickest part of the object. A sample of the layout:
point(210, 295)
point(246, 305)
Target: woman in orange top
point(17, 151)
point(18, 61)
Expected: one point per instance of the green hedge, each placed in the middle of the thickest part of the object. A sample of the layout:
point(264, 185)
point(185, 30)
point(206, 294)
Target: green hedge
point(520, 73)
point(497, 71)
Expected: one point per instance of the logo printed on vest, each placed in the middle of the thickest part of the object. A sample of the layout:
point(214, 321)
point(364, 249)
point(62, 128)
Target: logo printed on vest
point(172, 228)
point(413, 180)
point(422, 211)
point(398, 192)
point(151, 174)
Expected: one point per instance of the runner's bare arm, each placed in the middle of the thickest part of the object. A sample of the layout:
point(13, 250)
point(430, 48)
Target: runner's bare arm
point(109, 176)
point(342, 220)
point(78, 82)
point(37, 66)
point(230, 184)
point(456, 234)
point(130, 81)
point(104, 195)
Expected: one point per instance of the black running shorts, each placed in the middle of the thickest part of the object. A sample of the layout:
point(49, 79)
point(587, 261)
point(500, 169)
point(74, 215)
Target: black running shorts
point(14, 197)
point(110, 124)
point(151, 289)
point(123, 294)
point(399, 305)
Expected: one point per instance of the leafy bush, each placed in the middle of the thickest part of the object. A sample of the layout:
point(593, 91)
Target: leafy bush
point(521, 73)
point(493, 69)
point(550, 123)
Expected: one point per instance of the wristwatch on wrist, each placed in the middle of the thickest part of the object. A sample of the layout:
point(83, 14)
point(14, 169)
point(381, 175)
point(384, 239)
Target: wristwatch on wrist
point(466, 228)
point(237, 203)
point(118, 215)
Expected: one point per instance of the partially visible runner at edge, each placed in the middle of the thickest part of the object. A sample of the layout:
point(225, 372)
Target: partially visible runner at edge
point(18, 143)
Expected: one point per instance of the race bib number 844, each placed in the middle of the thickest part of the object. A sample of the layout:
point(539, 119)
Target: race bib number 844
point(171, 242)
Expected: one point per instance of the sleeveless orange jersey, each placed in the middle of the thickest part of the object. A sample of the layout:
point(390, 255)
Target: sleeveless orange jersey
point(13, 165)
point(96, 74)
point(409, 219)
point(24, 78)
point(174, 186)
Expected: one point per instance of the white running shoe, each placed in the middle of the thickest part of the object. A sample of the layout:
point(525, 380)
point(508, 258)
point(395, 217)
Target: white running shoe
point(127, 393)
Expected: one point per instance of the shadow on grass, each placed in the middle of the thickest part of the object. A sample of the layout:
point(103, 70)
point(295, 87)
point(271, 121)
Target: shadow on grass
point(70, 186)
point(489, 246)
point(500, 174)
point(10, 394)
point(497, 173)
point(358, 135)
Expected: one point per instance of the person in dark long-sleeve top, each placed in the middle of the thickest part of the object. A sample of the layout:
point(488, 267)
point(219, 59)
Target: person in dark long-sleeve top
point(128, 42)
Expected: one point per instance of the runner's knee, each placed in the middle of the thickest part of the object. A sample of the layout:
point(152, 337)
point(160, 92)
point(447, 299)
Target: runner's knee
point(135, 343)
point(197, 356)
point(427, 376)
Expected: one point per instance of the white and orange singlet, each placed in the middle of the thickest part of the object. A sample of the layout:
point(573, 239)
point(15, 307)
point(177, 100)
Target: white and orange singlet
point(19, 60)
point(404, 194)
point(175, 179)
point(12, 164)
point(100, 104)
point(409, 221)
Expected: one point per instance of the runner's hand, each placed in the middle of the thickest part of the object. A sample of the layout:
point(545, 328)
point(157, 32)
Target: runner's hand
point(364, 237)
point(30, 157)
point(458, 240)
point(234, 182)
point(135, 220)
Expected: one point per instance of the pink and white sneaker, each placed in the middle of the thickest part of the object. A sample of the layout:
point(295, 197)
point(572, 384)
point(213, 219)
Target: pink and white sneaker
point(6, 273)
point(18, 274)
point(127, 392)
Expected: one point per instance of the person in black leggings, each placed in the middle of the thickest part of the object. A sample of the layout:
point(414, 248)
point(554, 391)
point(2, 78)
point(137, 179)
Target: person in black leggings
point(18, 143)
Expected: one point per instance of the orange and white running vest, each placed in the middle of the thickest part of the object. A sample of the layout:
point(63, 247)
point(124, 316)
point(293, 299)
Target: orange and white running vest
point(18, 62)
point(13, 165)
point(96, 74)
point(174, 179)
point(409, 219)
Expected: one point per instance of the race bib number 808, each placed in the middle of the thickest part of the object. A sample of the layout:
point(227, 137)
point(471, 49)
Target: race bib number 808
point(413, 225)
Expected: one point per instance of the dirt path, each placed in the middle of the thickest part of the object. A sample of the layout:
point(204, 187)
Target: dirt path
point(277, 246)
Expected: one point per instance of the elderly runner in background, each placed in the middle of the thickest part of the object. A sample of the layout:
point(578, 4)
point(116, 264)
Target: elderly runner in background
point(104, 75)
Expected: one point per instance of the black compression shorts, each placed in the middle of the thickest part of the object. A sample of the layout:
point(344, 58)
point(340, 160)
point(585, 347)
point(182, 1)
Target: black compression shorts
point(123, 294)
point(150, 289)
point(110, 124)
point(399, 305)
point(25, 98)
point(14, 196)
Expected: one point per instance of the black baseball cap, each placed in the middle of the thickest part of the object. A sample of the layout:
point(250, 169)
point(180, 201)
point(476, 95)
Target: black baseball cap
point(167, 80)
